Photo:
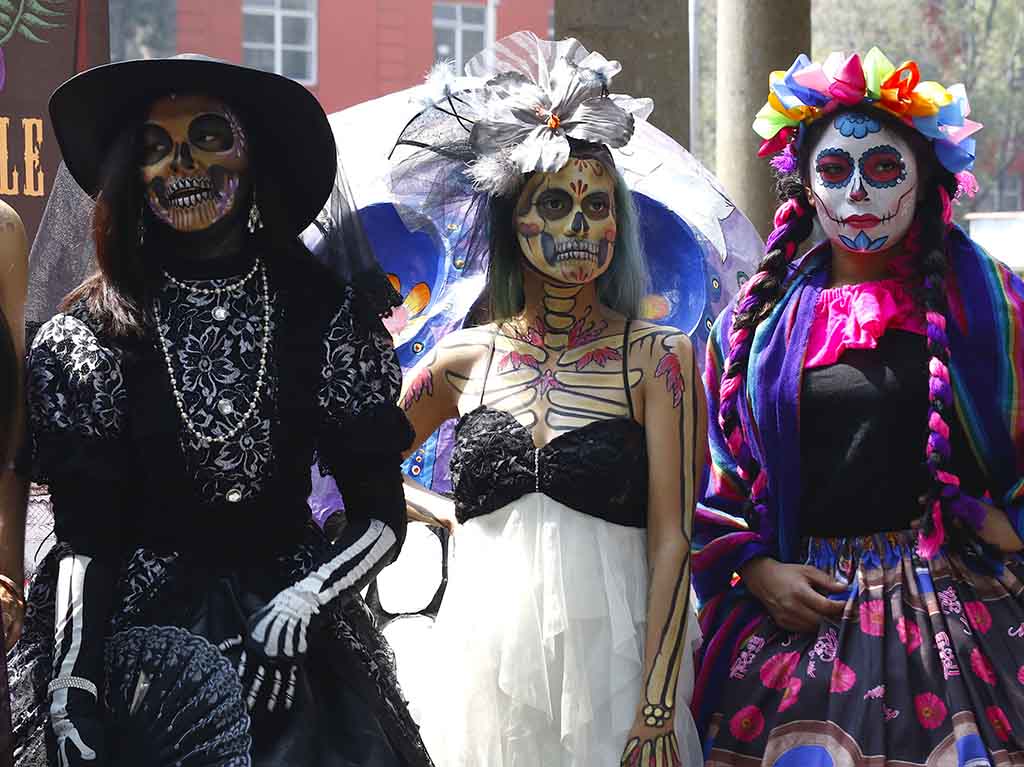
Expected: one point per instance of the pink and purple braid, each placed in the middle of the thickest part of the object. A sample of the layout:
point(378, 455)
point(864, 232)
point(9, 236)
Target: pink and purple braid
point(794, 221)
point(946, 509)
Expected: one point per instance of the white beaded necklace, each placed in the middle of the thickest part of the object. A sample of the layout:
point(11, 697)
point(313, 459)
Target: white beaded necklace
point(237, 285)
point(165, 345)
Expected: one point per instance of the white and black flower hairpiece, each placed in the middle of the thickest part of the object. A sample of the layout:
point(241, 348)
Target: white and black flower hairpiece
point(520, 103)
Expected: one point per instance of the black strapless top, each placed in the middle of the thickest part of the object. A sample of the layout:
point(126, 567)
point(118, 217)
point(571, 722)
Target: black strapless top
point(863, 425)
point(599, 469)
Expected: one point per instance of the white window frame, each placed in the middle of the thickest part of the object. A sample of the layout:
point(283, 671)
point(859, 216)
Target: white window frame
point(278, 47)
point(459, 26)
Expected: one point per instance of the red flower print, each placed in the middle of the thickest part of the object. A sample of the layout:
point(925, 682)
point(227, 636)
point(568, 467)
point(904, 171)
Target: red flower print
point(599, 356)
point(872, 617)
point(909, 634)
point(931, 711)
point(790, 695)
point(516, 360)
point(978, 616)
point(997, 718)
point(669, 367)
point(982, 666)
point(843, 677)
point(1020, 675)
point(422, 384)
point(747, 723)
point(583, 332)
point(546, 383)
point(777, 670)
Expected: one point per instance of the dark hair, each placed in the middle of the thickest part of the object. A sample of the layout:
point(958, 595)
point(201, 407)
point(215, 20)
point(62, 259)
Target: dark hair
point(927, 241)
point(118, 294)
point(115, 294)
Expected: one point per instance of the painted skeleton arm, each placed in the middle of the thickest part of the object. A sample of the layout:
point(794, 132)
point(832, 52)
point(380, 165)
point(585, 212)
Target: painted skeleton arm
point(84, 588)
point(669, 605)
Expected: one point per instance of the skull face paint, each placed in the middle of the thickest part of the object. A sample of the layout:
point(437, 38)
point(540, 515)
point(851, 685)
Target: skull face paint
point(864, 179)
point(566, 222)
point(194, 162)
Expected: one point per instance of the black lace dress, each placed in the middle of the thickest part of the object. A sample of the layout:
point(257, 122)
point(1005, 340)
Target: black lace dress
point(204, 534)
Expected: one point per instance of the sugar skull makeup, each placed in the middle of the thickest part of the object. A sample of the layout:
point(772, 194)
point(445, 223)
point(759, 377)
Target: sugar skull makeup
point(864, 179)
point(194, 161)
point(566, 221)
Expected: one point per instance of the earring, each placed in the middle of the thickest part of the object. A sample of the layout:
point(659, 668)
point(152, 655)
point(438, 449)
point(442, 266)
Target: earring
point(140, 227)
point(255, 219)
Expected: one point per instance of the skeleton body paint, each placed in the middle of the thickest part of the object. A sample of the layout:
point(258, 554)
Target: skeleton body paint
point(567, 363)
point(195, 158)
point(564, 385)
point(864, 182)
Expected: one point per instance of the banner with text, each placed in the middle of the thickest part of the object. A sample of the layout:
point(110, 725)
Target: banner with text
point(42, 44)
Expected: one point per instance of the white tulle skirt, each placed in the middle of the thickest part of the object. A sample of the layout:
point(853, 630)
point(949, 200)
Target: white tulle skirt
point(538, 648)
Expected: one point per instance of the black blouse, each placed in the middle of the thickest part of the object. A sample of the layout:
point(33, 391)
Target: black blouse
point(863, 426)
point(123, 470)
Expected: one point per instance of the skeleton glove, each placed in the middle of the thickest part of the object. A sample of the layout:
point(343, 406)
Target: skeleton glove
point(84, 588)
point(280, 629)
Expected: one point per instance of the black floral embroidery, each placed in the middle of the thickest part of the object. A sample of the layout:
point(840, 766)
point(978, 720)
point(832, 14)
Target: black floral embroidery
point(216, 343)
point(360, 367)
point(74, 383)
point(206, 364)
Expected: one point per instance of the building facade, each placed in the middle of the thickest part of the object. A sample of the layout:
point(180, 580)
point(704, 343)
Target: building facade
point(349, 51)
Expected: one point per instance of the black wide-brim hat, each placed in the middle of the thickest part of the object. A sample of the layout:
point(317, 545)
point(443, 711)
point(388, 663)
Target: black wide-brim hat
point(291, 139)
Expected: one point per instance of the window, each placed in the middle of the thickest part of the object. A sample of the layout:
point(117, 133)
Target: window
point(1010, 192)
point(280, 36)
point(459, 32)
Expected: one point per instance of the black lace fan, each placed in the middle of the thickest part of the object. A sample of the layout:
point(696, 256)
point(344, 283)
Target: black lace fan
point(173, 699)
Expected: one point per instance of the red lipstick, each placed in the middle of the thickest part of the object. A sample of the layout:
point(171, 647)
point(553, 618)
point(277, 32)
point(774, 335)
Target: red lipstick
point(864, 221)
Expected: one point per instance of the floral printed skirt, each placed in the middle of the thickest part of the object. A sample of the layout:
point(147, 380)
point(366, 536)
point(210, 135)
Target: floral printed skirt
point(926, 667)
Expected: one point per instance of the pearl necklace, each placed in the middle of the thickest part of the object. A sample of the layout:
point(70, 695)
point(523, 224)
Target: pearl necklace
point(213, 291)
point(207, 439)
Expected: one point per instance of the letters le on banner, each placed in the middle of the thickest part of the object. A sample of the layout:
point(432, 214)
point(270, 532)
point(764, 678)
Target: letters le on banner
point(42, 43)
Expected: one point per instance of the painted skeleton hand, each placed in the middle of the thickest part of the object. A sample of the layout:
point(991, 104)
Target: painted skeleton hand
point(280, 628)
point(651, 749)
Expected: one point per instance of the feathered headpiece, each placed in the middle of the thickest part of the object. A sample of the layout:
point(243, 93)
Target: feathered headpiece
point(807, 91)
point(518, 106)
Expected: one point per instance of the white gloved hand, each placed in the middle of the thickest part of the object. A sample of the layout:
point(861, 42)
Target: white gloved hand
point(79, 740)
point(281, 627)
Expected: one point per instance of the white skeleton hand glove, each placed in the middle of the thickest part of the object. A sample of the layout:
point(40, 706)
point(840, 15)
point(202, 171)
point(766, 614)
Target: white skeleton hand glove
point(269, 684)
point(82, 605)
point(72, 748)
point(280, 628)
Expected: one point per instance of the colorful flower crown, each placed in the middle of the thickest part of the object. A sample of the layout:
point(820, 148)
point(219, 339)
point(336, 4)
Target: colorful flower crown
point(808, 91)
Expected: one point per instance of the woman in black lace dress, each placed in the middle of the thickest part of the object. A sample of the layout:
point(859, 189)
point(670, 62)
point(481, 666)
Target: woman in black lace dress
point(176, 405)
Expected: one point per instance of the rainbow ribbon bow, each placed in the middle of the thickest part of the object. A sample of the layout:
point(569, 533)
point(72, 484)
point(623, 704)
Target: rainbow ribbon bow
point(807, 91)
